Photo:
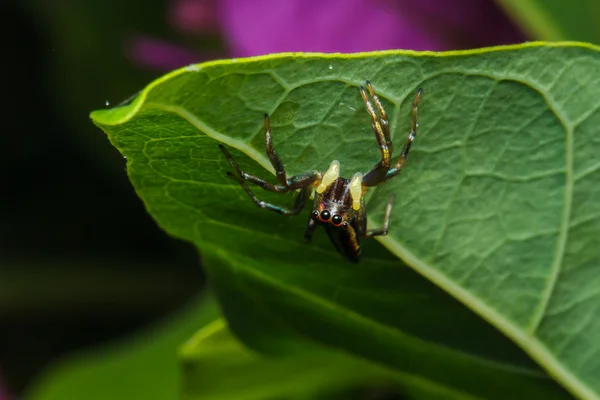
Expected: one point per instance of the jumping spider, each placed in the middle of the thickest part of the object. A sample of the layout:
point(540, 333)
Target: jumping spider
point(338, 205)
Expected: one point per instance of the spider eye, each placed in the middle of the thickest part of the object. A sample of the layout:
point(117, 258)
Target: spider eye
point(336, 220)
point(315, 214)
point(325, 215)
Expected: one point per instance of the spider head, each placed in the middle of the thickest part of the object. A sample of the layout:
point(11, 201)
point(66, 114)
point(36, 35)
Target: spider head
point(332, 213)
point(338, 200)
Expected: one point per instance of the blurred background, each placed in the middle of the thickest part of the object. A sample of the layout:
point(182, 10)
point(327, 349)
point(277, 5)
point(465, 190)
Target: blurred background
point(81, 263)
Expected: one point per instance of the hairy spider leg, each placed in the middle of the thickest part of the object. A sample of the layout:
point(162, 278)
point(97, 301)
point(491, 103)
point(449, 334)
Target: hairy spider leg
point(310, 229)
point(386, 222)
point(272, 154)
point(295, 182)
point(381, 131)
point(304, 182)
point(385, 123)
point(409, 139)
point(285, 185)
point(297, 207)
point(378, 174)
point(350, 247)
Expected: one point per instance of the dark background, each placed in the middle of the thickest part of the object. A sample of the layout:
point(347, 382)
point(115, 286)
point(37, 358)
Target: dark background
point(80, 260)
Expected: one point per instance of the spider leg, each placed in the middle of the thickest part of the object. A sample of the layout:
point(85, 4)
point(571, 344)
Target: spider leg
point(272, 154)
point(381, 129)
point(361, 217)
point(285, 184)
point(332, 239)
point(409, 139)
point(310, 229)
point(299, 202)
point(385, 123)
point(386, 221)
point(295, 182)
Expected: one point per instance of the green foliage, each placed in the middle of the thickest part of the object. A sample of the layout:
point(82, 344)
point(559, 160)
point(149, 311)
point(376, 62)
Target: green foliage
point(144, 366)
point(218, 367)
point(556, 19)
point(496, 208)
point(214, 365)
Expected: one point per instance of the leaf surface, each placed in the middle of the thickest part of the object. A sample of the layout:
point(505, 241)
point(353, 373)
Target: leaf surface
point(496, 206)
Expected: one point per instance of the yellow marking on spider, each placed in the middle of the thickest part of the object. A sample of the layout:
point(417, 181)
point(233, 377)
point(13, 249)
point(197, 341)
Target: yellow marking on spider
point(356, 190)
point(330, 176)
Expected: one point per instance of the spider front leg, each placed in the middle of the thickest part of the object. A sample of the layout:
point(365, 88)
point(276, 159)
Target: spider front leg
point(381, 129)
point(296, 182)
point(303, 181)
point(380, 173)
point(386, 221)
point(310, 229)
point(409, 139)
point(272, 154)
point(285, 185)
point(299, 202)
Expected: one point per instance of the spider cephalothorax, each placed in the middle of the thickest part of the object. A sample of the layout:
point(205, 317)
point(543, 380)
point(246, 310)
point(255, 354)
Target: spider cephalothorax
point(338, 205)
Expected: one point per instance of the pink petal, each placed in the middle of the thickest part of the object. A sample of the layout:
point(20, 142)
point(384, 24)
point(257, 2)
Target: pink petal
point(158, 54)
point(269, 26)
point(193, 17)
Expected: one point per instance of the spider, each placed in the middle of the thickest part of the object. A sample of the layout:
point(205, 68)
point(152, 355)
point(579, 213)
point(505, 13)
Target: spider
point(338, 205)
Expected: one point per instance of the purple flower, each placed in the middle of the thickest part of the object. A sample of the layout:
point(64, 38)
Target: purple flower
point(193, 17)
point(271, 26)
point(160, 55)
point(268, 26)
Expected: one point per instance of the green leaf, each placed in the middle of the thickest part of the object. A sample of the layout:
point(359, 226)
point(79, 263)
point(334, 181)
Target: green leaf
point(495, 207)
point(556, 19)
point(218, 367)
point(144, 366)
point(400, 325)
